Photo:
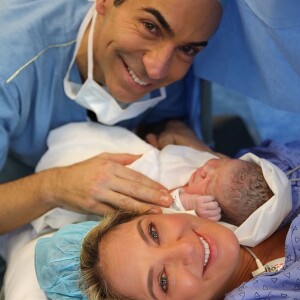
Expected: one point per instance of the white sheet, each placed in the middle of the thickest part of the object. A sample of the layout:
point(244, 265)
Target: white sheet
point(20, 277)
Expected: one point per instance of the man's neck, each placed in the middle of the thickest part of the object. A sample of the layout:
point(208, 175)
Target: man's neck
point(81, 57)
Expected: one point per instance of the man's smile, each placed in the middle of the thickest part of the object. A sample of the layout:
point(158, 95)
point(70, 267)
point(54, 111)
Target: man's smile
point(135, 78)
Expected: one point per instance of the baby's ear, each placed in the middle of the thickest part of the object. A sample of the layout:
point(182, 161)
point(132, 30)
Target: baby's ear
point(102, 5)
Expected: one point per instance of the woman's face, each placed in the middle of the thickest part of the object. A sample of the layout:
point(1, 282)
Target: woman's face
point(175, 256)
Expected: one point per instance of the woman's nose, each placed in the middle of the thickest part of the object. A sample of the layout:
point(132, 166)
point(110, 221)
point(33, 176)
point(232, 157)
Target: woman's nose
point(157, 61)
point(183, 252)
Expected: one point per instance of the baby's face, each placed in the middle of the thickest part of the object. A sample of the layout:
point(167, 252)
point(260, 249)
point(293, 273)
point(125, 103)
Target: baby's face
point(174, 256)
point(212, 178)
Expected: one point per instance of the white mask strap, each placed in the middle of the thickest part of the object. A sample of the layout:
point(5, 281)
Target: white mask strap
point(90, 46)
point(82, 29)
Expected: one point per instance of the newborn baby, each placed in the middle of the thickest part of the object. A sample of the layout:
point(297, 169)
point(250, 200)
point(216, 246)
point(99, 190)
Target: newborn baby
point(238, 187)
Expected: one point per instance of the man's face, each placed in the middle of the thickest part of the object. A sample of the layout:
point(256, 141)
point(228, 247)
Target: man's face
point(175, 256)
point(142, 45)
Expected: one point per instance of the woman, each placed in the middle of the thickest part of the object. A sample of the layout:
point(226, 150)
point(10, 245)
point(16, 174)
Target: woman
point(175, 256)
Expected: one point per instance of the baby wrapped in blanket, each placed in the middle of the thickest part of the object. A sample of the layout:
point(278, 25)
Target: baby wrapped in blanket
point(172, 166)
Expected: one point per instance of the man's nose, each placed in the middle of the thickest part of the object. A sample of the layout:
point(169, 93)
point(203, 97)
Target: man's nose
point(157, 61)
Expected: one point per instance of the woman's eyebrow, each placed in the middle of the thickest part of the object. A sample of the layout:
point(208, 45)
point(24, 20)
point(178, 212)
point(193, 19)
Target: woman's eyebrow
point(150, 279)
point(150, 284)
point(141, 232)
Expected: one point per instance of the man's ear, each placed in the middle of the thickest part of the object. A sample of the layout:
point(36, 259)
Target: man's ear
point(101, 6)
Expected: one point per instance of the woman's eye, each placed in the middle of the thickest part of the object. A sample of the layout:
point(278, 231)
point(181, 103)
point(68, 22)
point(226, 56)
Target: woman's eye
point(188, 50)
point(163, 282)
point(153, 233)
point(150, 27)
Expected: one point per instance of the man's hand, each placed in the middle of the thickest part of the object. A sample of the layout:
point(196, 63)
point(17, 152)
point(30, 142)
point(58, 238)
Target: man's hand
point(176, 133)
point(204, 206)
point(103, 183)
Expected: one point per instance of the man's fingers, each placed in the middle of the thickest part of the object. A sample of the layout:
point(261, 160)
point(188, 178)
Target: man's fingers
point(129, 174)
point(150, 193)
point(93, 207)
point(118, 200)
point(152, 140)
point(121, 158)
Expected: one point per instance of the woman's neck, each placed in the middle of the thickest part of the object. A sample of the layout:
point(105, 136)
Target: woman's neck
point(268, 250)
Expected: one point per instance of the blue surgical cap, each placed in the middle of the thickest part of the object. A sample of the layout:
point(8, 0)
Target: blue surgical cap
point(57, 260)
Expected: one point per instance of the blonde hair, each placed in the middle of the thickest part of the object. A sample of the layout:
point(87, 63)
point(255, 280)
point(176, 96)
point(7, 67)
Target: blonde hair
point(93, 282)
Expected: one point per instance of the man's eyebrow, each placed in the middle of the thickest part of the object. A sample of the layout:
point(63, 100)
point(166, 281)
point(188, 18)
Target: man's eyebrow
point(198, 44)
point(167, 27)
point(160, 19)
point(150, 274)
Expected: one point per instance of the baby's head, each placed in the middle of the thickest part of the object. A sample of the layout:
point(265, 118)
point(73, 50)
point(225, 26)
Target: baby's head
point(175, 256)
point(239, 187)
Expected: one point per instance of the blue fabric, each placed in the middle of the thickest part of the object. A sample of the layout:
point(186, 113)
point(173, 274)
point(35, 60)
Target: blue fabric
point(57, 262)
point(284, 284)
point(37, 44)
point(32, 100)
point(286, 157)
point(256, 52)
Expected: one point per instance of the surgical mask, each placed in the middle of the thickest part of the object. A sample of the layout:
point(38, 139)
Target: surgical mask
point(94, 97)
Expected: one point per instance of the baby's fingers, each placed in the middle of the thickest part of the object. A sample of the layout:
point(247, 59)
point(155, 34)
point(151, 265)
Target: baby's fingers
point(212, 214)
point(215, 218)
point(211, 205)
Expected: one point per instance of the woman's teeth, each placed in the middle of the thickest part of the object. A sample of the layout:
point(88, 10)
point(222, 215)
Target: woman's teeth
point(135, 78)
point(206, 251)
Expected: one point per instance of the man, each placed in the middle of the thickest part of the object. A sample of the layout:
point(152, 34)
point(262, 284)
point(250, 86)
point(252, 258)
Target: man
point(103, 56)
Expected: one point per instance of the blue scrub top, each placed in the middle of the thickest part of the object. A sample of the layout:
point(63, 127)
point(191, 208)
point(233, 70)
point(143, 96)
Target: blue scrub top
point(37, 44)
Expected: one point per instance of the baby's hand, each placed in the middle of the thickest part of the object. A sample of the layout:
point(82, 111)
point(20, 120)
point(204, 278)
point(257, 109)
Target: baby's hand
point(204, 206)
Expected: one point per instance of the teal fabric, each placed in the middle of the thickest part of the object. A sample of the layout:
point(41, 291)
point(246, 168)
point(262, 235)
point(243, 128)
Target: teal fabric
point(57, 261)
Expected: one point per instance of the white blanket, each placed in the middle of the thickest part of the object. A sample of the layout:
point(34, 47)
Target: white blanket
point(171, 166)
point(75, 142)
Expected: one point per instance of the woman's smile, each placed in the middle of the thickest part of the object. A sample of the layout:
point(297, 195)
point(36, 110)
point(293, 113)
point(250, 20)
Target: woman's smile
point(176, 256)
